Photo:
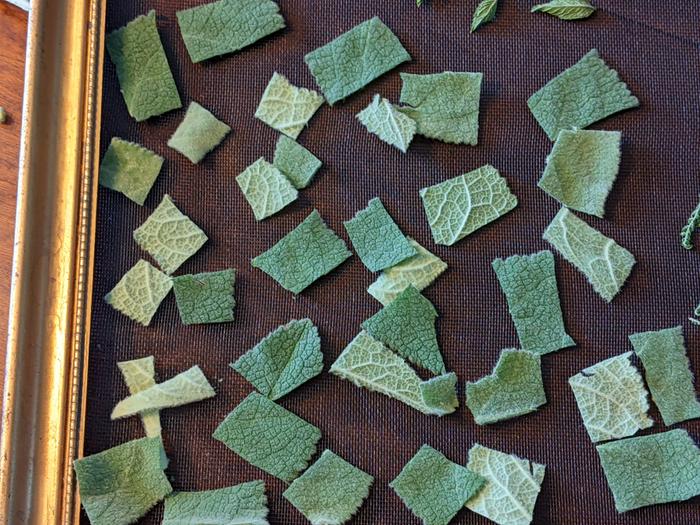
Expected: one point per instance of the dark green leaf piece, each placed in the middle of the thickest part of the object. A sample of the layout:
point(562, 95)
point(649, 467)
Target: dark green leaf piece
point(566, 9)
point(198, 133)
point(296, 162)
point(689, 229)
point(484, 13)
point(205, 297)
point(130, 169)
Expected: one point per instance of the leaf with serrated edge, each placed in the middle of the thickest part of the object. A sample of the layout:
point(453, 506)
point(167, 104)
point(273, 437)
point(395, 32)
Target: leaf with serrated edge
point(266, 189)
point(566, 9)
point(485, 12)
point(384, 120)
point(140, 374)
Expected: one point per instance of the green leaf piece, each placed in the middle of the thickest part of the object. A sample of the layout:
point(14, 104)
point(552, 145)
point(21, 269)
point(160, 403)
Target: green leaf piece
point(169, 236)
point(205, 297)
point(140, 374)
point(667, 372)
point(308, 252)
point(198, 133)
point(377, 239)
point(407, 326)
point(266, 189)
point(566, 9)
point(369, 364)
point(513, 389)
point(187, 387)
point(434, 488)
point(387, 122)
point(139, 292)
point(269, 437)
point(120, 485)
point(445, 106)
point(611, 398)
point(297, 163)
point(226, 26)
point(585, 93)
point(652, 469)
point(145, 79)
point(287, 108)
point(582, 168)
point(484, 13)
point(244, 504)
point(354, 59)
point(459, 206)
point(530, 286)
point(130, 169)
point(689, 229)
point(511, 489)
point(286, 358)
point(330, 492)
point(418, 271)
point(605, 263)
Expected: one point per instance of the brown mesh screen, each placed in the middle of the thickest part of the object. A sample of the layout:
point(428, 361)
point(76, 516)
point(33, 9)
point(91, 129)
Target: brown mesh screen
point(656, 52)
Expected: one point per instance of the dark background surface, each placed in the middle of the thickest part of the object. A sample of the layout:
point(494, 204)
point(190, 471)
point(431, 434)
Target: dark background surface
point(655, 49)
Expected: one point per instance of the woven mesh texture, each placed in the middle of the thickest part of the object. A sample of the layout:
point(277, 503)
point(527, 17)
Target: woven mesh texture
point(656, 52)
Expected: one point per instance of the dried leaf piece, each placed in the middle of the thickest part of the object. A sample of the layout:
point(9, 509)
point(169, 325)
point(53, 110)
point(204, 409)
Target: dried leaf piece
point(297, 163)
point(512, 486)
point(434, 488)
point(286, 358)
point(668, 375)
point(198, 133)
point(287, 108)
point(308, 252)
point(244, 504)
point(330, 492)
point(445, 106)
point(376, 238)
point(605, 263)
point(652, 469)
point(459, 206)
point(407, 326)
point(530, 286)
point(688, 230)
point(187, 387)
point(120, 485)
point(169, 236)
point(145, 79)
point(227, 26)
point(387, 122)
point(129, 169)
point(566, 9)
point(484, 13)
point(140, 374)
point(139, 292)
point(513, 389)
point(585, 93)
point(266, 189)
point(354, 59)
point(611, 398)
point(205, 297)
point(269, 437)
point(440, 393)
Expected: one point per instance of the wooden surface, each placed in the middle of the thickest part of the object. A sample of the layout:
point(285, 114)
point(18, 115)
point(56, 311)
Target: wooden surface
point(13, 30)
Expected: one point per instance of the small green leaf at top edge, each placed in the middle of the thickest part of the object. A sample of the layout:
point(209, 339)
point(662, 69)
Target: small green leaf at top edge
point(484, 13)
point(566, 9)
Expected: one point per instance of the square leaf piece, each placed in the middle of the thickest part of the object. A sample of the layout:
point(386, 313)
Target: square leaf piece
point(384, 120)
point(308, 252)
point(330, 491)
point(169, 236)
point(354, 59)
point(269, 437)
point(435, 488)
point(198, 133)
point(130, 169)
point(287, 108)
point(139, 292)
point(582, 168)
point(445, 106)
point(265, 188)
point(145, 79)
point(205, 297)
point(297, 163)
point(120, 485)
point(585, 93)
point(377, 239)
point(226, 26)
point(459, 206)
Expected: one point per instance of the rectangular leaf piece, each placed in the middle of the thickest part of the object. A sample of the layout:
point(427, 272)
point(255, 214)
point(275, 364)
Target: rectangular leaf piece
point(205, 297)
point(198, 133)
point(266, 189)
point(605, 263)
point(145, 79)
point(129, 169)
point(354, 59)
point(652, 469)
point(140, 374)
point(227, 26)
point(530, 286)
point(297, 163)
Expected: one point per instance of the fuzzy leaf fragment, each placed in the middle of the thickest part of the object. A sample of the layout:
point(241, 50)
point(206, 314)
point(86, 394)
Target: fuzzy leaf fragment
point(266, 189)
point(129, 169)
point(198, 133)
point(297, 163)
point(566, 9)
point(140, 374)
point(387, 122)
point(205, 297)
